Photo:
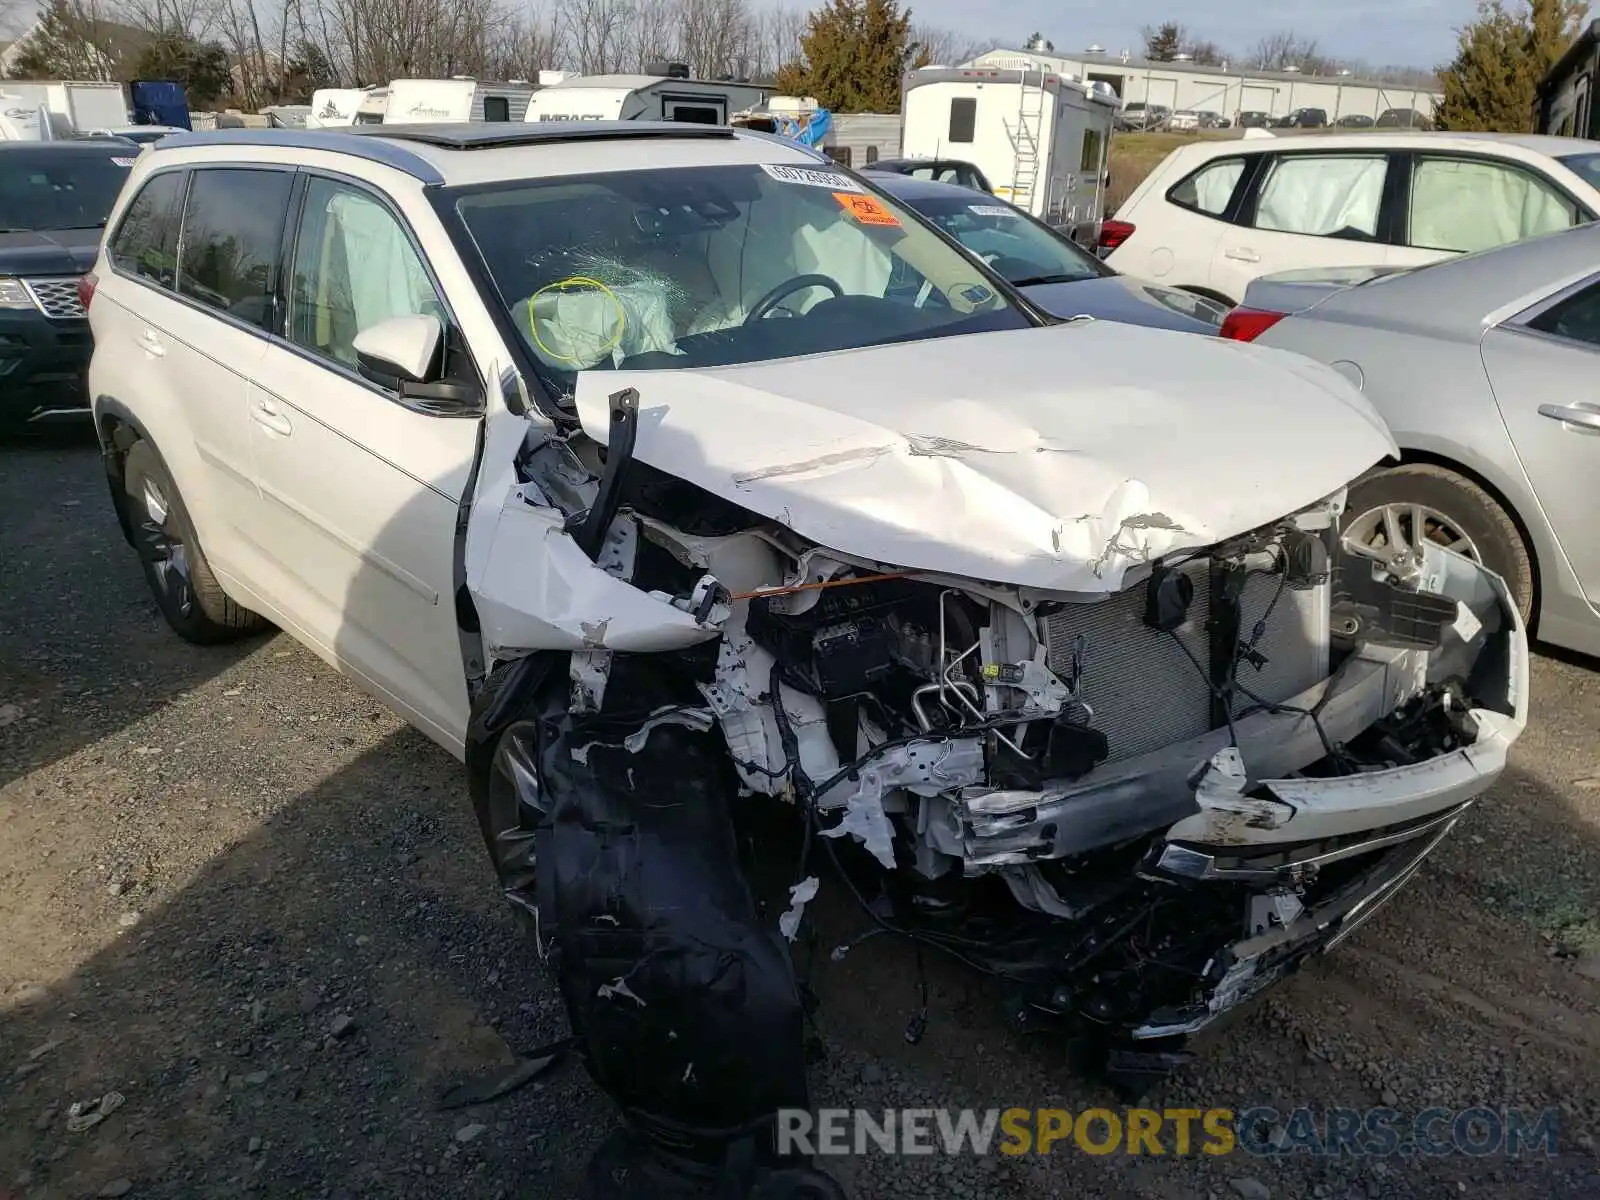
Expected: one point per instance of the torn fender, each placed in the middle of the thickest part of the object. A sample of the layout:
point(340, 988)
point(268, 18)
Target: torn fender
point(535, 589)
point(1056, 459)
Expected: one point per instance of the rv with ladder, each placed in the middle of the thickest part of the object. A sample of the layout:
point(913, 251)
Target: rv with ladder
point(1041, 137)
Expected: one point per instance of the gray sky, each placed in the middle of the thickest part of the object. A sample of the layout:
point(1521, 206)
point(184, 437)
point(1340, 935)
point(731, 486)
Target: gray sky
point(1417, 33)
point(1413, 33)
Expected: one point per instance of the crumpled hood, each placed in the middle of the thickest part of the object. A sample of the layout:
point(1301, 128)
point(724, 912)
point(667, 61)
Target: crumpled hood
point(1050, 458)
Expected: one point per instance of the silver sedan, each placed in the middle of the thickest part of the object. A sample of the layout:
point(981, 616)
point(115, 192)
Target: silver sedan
point(1487, 369)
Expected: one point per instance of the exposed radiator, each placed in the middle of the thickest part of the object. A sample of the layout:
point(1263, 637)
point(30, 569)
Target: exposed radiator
point(1143, 689)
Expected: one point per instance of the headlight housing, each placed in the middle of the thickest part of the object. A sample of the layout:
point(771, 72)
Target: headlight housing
point(13, 294)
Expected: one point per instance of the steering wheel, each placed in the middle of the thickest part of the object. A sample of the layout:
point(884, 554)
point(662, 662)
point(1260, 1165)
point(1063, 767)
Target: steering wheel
point(787, 288)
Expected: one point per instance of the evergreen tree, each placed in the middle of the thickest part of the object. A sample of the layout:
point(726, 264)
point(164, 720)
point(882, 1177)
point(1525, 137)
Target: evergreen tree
point(855, 53)
point(1164, 42)
point(1500, 59)
point(62, 46)
point(202, 67)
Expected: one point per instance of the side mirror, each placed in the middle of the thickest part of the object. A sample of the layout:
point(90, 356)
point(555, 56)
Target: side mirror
point(406, 355)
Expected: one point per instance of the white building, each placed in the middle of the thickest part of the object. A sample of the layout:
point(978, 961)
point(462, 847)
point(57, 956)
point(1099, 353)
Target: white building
point(1224, 90)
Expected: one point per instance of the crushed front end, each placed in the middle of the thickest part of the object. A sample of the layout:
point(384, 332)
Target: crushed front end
point(1139, 807)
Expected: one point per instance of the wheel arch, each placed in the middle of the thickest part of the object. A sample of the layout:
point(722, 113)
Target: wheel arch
point(117, 429)
point(1410, 456)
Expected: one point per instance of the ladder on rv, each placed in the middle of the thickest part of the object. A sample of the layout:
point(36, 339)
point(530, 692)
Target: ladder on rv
point(1032, 103)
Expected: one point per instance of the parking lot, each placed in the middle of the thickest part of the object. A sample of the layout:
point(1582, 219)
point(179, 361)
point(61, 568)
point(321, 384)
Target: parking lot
point(250, 901)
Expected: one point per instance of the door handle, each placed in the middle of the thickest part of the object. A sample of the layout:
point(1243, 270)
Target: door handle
point(270, 419)
point(1572, 414)
point(1241, 254)
point(152, 344)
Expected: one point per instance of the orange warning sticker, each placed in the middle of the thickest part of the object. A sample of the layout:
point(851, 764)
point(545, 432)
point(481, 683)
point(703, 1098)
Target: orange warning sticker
point(866, 209)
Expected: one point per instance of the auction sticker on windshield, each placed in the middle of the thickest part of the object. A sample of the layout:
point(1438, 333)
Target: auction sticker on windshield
point(989, 210)
point(122, 162)
point(865, 209)
point(810, 177)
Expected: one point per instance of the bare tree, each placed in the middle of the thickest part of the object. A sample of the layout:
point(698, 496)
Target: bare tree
point(650, 33)
point(1279, 51)
point(529, 44)
point(192, 17)
point(717, 37)
point(777, 39)
point(597, 34)
point(945, 47)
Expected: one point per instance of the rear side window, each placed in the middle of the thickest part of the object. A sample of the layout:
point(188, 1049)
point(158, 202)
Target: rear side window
point(1468, 204)
point(146, 243)
point(1210, 188)
point(1576, 318)
point(1334, 195)
point(232, 228)
point(963, 118)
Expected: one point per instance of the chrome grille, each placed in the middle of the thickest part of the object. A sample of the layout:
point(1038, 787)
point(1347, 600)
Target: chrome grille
point(56, 296)
point(1143, 688)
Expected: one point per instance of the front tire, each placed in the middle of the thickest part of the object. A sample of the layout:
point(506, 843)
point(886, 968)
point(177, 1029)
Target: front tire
point(180, 579)
point(1389, 507)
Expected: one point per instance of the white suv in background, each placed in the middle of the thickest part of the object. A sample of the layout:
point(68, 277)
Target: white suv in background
point(1217, 214)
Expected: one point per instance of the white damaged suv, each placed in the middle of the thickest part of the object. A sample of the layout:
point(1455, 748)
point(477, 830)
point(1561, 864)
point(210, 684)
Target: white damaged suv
point(653, 470)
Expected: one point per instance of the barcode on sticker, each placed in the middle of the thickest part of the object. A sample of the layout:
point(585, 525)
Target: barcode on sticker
point(122, 162)
point(989, 210)
point(832, 180)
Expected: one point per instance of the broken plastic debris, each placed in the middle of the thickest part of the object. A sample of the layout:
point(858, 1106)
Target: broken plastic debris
point(86, 1114)
point(800, 895)
point(618, 987)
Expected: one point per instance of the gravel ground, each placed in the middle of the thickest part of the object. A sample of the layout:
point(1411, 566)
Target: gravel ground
point(243, 896)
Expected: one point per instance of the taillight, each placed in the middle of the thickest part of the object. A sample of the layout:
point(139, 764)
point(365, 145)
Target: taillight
point(86, 289)
point(1247, 324)
point(1114, 233)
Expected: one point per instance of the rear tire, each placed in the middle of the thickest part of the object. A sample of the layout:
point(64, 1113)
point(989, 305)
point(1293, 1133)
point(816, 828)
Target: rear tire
point(1453, 510)
point(180, 579)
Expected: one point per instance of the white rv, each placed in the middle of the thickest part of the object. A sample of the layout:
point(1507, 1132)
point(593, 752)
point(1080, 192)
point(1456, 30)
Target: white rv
point(423, 101)
point(669, 95)
point(337, 108)
point(1040, 137)
point(74, 107)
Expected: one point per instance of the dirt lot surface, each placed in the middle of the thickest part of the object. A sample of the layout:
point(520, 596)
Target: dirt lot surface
point(241, 895)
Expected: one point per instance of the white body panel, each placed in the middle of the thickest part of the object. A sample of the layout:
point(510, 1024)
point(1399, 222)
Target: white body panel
point(424, 101)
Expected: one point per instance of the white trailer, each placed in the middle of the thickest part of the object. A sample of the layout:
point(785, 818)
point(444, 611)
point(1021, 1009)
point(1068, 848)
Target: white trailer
point(82, 106)
point(337, 108)
point(424, 101)
point(1040, 137)
point(659, 97)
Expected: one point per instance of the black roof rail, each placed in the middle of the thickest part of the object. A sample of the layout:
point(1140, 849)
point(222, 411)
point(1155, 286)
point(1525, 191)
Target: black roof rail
point(339, 141)
point(386, 144)
point(495, 135)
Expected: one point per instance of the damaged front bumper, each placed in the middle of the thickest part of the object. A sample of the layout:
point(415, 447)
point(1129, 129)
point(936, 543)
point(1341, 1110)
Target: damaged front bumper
point(1299, 857)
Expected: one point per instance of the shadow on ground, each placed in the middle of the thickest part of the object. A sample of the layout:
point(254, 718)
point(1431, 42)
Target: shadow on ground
point(82, 649)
